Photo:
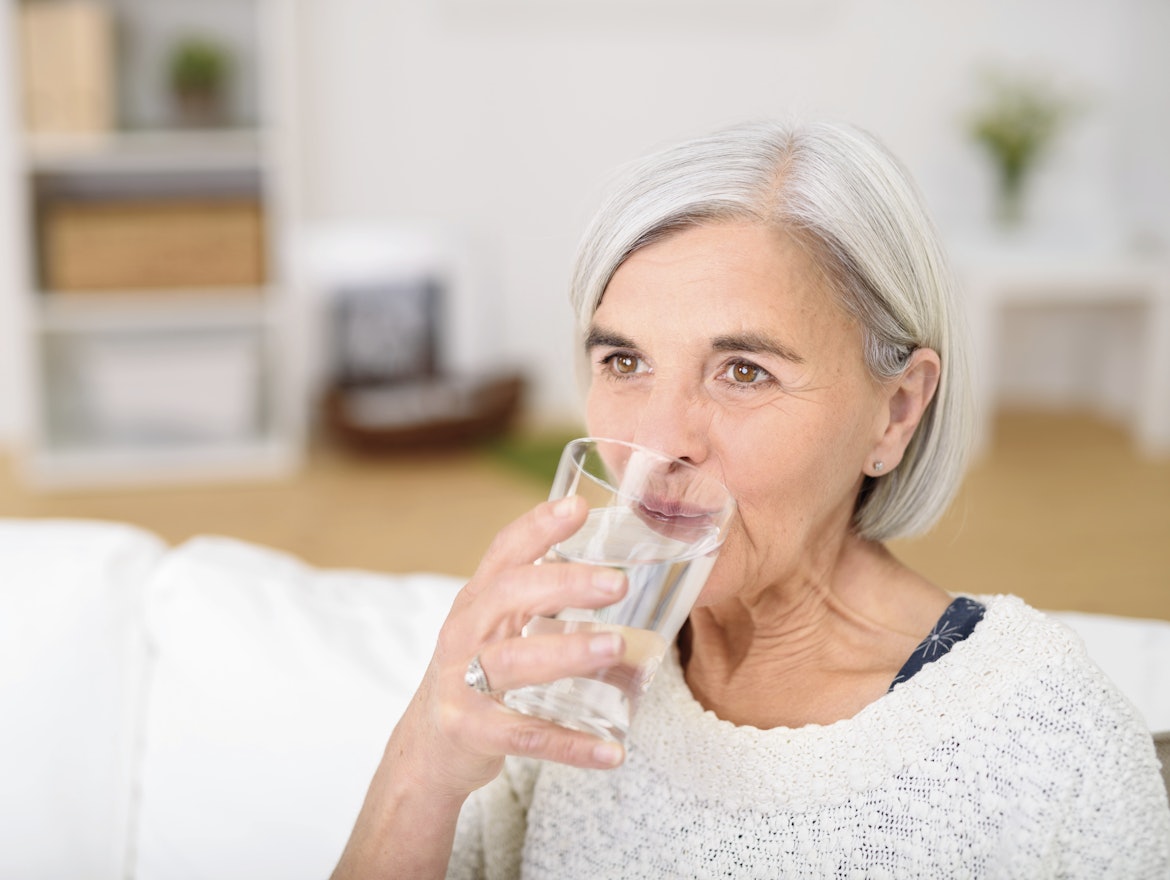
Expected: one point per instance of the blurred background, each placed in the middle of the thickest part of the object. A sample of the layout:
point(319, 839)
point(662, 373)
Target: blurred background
point(295, 271)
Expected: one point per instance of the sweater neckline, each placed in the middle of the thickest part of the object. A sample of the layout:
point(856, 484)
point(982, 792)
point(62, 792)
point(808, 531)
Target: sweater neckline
point(815, 764)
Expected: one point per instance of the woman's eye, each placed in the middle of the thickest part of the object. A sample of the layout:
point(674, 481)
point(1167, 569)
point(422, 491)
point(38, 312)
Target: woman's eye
point(623, 364)
point(743, 373)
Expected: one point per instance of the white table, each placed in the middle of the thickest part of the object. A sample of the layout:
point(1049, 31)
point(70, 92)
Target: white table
point(993, 277)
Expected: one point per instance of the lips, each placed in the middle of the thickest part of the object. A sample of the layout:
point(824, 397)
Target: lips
point(675, 512)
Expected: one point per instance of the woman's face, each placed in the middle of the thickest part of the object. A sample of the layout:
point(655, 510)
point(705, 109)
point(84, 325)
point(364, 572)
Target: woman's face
point(722, 344)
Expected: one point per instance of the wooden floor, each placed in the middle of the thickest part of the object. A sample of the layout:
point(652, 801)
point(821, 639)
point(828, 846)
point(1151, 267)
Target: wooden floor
point(1061, 512)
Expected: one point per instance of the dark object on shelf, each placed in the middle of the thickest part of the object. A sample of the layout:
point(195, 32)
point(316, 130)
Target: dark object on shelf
point(424, 414)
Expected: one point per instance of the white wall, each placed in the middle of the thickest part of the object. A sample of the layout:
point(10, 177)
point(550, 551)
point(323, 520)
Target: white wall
point(506, 116)
point(503, 119)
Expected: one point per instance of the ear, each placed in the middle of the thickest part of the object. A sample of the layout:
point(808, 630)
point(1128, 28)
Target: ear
point(907, 397)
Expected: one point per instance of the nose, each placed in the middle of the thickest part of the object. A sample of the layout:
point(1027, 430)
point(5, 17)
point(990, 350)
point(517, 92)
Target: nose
point(674, 421)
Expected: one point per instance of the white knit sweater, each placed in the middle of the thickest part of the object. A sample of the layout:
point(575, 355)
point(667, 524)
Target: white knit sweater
point(1011, 756)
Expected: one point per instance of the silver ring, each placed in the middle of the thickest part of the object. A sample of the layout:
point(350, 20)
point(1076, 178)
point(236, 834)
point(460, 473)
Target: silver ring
point(475, 677)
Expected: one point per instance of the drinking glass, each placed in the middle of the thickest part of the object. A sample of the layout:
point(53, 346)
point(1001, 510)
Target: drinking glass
point(659, 519)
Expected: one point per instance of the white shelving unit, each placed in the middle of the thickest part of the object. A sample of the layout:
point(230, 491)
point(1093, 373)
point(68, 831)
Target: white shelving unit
point(999, 276)
point(180, 382)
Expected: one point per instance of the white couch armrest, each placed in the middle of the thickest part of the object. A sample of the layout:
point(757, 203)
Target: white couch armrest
point(71, 665)
point(275, 688)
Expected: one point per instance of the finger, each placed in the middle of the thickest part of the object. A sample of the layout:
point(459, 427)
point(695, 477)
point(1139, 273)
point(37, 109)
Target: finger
point(527, 539)
point(544, 590)
point(497, 609)
point(539, 659)
point(529, 737)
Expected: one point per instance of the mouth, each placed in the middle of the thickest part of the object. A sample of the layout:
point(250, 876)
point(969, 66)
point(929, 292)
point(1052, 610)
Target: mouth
point(676, 512)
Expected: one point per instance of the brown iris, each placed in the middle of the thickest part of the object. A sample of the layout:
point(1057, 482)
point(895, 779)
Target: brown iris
point(624, 363)
point(745, 373)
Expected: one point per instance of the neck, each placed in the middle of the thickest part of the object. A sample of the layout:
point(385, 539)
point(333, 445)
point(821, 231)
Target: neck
point(814, 648)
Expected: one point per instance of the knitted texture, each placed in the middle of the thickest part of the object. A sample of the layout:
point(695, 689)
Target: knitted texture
point(1010, 757)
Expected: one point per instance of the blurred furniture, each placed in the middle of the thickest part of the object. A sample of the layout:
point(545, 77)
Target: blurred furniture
point(218, 709)
point(424, 413)
point(394, 370)
point(995, 277)
point(152, 280)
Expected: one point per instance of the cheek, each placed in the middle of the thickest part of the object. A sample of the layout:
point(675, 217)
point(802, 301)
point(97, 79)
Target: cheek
point(605, 416)
point(782, 497)
point(756, 462)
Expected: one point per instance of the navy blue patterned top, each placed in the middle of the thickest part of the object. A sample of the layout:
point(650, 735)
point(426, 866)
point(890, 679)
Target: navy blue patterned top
point(956, 623)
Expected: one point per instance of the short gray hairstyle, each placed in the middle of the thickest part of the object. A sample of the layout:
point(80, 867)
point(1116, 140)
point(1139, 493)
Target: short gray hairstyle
point(853, 207)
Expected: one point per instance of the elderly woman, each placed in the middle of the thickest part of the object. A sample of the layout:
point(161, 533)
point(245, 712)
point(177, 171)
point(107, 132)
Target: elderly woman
point(771, 303)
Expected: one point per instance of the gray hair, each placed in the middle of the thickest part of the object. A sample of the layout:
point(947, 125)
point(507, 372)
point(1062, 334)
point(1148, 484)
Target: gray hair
point(853, 207)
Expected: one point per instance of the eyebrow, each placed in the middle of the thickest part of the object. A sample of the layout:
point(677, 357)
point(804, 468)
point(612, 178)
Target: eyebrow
point(755, 343)
point(749, 343)
point(599, 337)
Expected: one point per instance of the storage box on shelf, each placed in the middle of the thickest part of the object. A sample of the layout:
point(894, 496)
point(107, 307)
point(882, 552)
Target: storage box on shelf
point(121, 232)
point(66, 65)
point(152, 275)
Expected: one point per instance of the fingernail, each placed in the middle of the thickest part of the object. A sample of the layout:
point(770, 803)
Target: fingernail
point(608, 580)
point(608, 754)
point(565, 507)
point(605, 645)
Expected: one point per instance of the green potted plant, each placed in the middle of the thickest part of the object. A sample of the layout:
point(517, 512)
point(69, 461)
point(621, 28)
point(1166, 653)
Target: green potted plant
point(1016, 123)
point(198, 70)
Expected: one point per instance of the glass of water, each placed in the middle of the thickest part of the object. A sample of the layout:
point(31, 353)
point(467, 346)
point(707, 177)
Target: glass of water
point(659, 519)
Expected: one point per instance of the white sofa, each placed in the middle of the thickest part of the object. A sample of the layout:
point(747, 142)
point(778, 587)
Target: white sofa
point(215, 710)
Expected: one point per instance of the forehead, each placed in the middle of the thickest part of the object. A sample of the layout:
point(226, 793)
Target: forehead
point(710, 280)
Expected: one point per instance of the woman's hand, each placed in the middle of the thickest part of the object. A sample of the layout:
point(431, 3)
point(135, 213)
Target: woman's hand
point(462, 735)
point(452, 739)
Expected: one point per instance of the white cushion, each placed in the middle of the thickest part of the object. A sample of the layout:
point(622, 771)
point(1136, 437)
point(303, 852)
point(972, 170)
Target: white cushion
point(275, 688)
point(71, 662)
point(1135, 653)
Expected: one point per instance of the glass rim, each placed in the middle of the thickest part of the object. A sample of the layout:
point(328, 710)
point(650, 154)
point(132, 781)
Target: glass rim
point(727, 508)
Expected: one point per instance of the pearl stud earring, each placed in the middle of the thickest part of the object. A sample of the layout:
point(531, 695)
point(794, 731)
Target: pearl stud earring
point(878, 466)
